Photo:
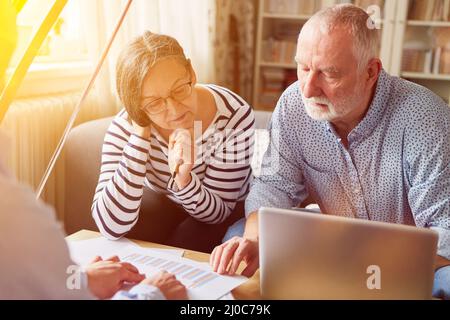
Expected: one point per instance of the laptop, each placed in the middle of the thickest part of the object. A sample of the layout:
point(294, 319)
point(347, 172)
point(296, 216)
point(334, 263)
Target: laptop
point(305, 255)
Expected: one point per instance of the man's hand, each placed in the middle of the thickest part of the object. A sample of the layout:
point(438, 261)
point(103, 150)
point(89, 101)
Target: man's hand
point(170, 287)
point(225, 259)
point(106, 277)
point(181, 156)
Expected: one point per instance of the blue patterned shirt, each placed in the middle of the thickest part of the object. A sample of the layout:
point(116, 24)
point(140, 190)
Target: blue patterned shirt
point(396, 168)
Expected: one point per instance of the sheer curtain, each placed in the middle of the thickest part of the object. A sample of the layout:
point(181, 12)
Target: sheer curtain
point(190, 22)
point(233, 38)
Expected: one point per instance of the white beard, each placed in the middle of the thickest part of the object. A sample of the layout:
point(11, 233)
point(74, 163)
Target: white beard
point(319, 113)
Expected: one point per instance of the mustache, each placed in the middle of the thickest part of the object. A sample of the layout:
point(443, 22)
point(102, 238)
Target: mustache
point(317, 100)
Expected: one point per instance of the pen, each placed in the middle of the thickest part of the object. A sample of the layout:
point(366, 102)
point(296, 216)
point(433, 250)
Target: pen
point(175, 171)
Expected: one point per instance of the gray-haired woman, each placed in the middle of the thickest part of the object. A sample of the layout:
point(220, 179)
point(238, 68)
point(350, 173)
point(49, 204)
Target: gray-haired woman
point(190, 144)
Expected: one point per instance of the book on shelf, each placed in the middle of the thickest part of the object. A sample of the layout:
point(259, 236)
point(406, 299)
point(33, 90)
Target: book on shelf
point(286, 30)
point(413, 60)
point(446, 10)
point(308, 7)
point(442, 44)
point(274, 82)
point(429, 10)
point(281, 44)
point(434, 61)
point(438, 11)
point(273, 75)
point(437, 60)
point(281, 51)
point(444, 61)
point(273, 78)
point(280, 6)
point(428, 61)
point(417, 56)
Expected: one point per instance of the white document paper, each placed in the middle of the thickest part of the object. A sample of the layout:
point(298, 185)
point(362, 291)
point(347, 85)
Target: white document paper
point(228, 296)
point(201, 282)
point(84, 251)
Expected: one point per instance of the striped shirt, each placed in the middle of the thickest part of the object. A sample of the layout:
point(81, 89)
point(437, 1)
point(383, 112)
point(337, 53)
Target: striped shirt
point(220, 177)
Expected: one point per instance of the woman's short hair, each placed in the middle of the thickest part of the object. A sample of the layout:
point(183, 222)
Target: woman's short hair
point(133, 65)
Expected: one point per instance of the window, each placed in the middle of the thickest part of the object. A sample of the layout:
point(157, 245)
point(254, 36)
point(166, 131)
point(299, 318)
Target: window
point(62, 54)
point(63, 43)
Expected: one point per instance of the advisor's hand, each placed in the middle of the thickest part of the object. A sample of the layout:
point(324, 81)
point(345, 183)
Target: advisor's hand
point(106, 277)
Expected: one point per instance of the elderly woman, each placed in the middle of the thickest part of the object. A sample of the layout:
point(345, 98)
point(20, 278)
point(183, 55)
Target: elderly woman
point(189, 143)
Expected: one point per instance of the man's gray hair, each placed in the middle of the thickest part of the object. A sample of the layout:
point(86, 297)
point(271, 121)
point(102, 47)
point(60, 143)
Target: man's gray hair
point(358, 23)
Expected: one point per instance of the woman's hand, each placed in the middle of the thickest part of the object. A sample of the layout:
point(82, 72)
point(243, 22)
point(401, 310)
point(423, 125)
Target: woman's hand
point(181, 156)
point(169, 286)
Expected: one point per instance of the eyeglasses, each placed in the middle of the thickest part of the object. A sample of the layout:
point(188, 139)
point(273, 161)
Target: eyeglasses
point(178, 94)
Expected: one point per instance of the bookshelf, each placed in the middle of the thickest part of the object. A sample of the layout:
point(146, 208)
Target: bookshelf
point(410, 30)
point(421, 75)
point(421, 51)
point(278, 25)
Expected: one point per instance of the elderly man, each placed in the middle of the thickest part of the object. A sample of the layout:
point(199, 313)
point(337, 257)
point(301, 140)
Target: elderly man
point(355, 140)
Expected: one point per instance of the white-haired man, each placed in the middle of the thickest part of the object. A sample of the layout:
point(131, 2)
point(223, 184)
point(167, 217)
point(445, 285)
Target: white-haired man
point(357, 141)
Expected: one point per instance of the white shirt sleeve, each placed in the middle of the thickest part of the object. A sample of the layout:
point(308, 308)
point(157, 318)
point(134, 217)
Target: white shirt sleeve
point(140, 292)
point(35, 258)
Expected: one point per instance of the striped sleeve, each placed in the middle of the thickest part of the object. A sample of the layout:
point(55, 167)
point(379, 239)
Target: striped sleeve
point(119, 190)
point(213, 199)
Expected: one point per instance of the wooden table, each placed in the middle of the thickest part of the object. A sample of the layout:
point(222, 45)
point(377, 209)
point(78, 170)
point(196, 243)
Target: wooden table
point(246, 291)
